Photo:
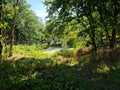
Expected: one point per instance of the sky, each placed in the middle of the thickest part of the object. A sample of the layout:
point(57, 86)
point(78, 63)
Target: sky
point(38, 7)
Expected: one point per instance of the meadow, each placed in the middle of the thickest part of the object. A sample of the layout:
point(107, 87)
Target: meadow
point(33, 70)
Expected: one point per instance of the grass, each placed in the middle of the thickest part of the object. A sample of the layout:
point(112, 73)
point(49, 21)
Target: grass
point(64, 53)
point(60, 72)
point(32, 51)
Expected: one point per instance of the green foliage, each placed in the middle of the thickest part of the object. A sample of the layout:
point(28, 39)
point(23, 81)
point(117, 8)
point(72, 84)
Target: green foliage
point(30, 50)
point(29, 29)
point(7, 13)
point(19, 25)
point(87, 72)
point(75, 23)
point(91, 18)
point(65, 53)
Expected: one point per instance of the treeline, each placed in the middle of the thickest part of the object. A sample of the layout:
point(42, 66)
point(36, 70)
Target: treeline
point(18, 25)
point(75, 20)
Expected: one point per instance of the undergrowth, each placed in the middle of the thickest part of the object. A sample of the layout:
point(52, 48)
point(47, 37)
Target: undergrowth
point(61, 72)
point(30, 50)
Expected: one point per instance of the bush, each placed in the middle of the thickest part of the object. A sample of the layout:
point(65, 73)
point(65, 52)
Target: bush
point(65, 53)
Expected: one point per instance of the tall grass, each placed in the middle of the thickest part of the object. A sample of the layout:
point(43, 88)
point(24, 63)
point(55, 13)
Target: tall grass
point(65, 73)
point(30, 50)
point(95, 71)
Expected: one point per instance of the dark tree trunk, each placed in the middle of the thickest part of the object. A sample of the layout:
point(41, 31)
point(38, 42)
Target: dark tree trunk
point(1, 32)
point(94, 46)
point(113, 39)
point(12, 36)
point(92, 32)
point(101, 37)
point(17, 36)
point(5, 43)
point(0, 45)
point(12, 31)
point(102, 21)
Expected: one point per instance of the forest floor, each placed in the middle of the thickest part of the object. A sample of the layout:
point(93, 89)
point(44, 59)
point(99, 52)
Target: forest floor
point(60, 71)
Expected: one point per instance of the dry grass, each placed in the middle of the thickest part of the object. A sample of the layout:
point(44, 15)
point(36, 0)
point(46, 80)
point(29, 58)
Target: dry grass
point(108, 54)
point(17, 56)
point(83, 51)
point(111, 55)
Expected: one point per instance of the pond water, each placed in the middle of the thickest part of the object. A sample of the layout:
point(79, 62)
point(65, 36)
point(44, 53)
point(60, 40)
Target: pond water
point(53, 50)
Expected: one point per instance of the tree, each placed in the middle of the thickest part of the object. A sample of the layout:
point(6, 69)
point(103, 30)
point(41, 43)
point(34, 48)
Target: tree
point(108, 11)
point(17, 20)
point(28, 29)
point(0, 31)
point(7, 12)
point(99, 15)
point(13, 27)
point(69, 10)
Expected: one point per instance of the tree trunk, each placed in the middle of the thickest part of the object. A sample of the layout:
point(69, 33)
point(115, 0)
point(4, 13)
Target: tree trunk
point(0, 51)
point(12, 36)
point(101, 39)
point(92, 32)
point(0, 45)
point(1, 33)
point(113, 39)
point(12, 32)
point(5, 43)
point(94, 46)
point(17, 36)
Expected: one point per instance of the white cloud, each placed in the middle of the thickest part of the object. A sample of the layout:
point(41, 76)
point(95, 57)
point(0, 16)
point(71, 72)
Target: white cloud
point(41, 14)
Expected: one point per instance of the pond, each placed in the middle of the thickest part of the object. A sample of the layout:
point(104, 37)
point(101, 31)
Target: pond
point(53, 50)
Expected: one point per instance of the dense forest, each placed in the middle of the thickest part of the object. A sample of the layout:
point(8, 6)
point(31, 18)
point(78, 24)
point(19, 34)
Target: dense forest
point(99, 20)
point(77, 48)
point(19, 25)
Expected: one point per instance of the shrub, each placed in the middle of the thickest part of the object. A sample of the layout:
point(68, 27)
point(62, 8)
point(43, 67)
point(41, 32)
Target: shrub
point(83, 51)
point(65, 53)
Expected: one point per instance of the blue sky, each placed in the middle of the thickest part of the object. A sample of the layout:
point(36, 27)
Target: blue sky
point(38, 7)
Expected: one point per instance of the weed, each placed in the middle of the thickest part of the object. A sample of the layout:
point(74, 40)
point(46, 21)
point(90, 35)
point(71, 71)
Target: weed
point(60, 72)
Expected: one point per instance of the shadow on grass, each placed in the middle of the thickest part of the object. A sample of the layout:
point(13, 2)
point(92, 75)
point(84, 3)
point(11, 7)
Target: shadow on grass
point(88, 73)
point(104, 73)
